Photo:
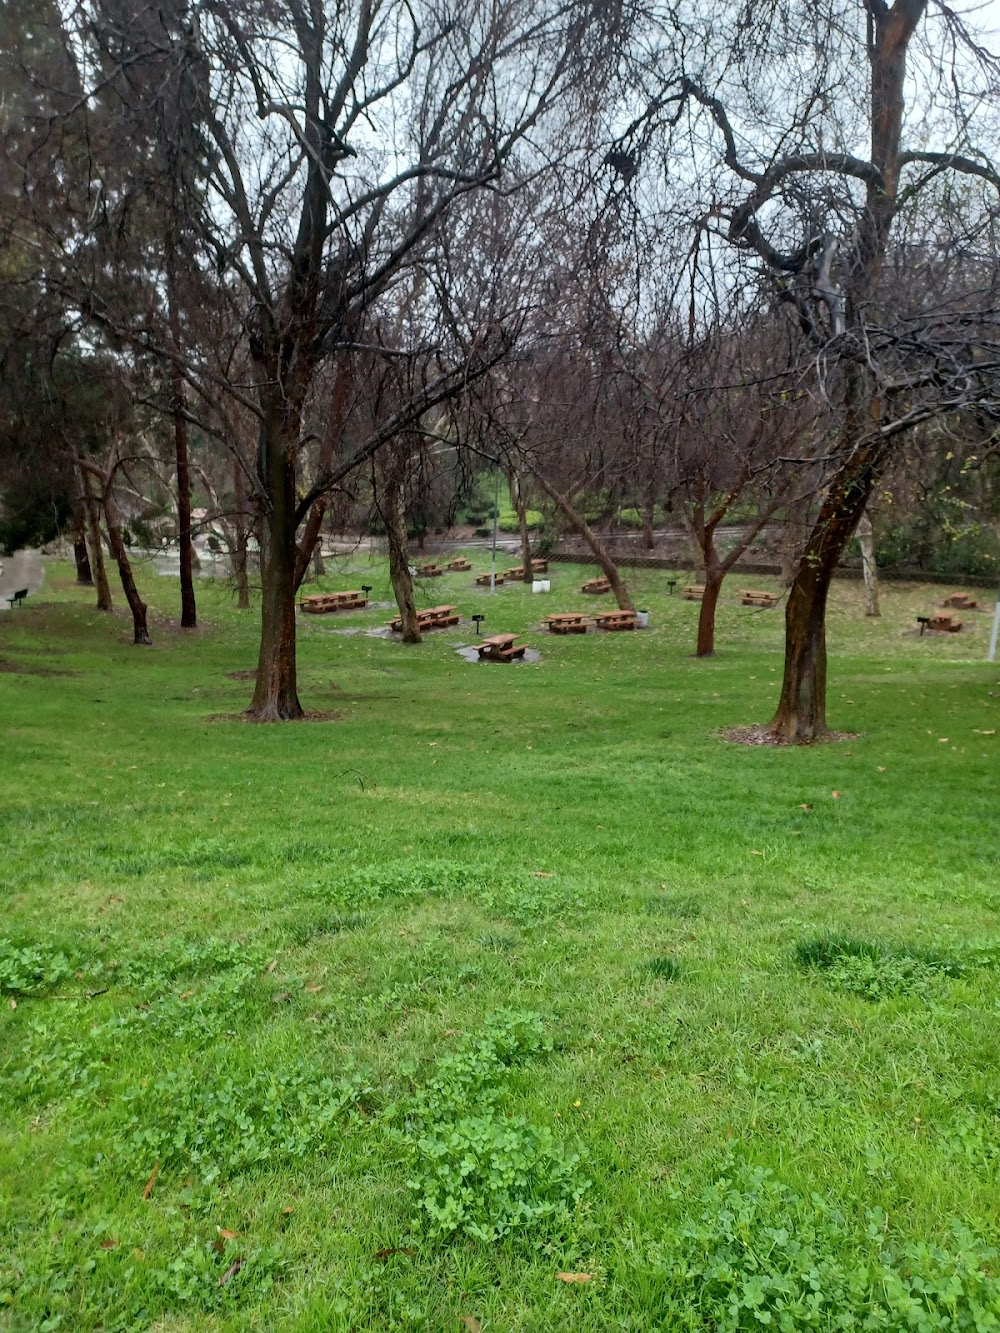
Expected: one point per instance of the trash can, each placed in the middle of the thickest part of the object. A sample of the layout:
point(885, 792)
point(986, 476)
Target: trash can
point(642, 619)
point(540, 585)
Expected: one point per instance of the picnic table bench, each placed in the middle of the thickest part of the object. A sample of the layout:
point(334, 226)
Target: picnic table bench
point(14, 597)
point(961, 600)
point(566, 622)
point(944, 624)
point(321, 603)
point(459, 564)
point(596, 586)
point(484, 580)
point(432, 571)
point(749, 597)
point(616, 620)
point(430, 617)
point(517, 571)
point(500, 648)
point(694, 592)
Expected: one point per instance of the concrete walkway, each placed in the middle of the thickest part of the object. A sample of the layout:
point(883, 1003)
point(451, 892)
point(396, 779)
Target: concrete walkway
point(23, 569)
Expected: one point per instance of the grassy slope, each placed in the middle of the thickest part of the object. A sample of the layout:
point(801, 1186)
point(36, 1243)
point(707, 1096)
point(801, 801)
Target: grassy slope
point(377, 874)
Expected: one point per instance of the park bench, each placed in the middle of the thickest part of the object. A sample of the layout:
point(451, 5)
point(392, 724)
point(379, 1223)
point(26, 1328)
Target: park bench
point(616, 620)
point(429, 571)
point(515, 572)
point(751, 598)
point(500, 648)
point(960, 600)
point(566, 622)
point(14, 597)
point(539, 566)
point(944, 624)
point(484, 580)
point(321, 604)
point(694, 592)
point(596, 586)
point(459, 565)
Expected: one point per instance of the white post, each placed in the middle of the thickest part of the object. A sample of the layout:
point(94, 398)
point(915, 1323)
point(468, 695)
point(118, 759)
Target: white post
point(991, 656)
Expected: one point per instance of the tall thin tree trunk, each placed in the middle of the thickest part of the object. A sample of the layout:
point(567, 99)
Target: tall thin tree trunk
point(239, 555)
point(275, 697)
point(601, 554)
point(399, 566)
point(801, 714)
point(714, 575)
point(521, 509)
point(869, 569)
point(317, 511)
point(91, 506)
point(82, 560)
point(319, 568)
point(136, 605)
point(189, 614)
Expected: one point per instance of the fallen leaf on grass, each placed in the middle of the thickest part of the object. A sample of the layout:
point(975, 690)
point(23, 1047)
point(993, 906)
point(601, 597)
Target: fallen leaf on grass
point(271, 965)
point(394, 1249)
point(12, 1002)
point(880, 768)
point(186, 995)
point(835, 795)
point(942, 740)
point(109, 1244)
point(228, 1235)
point(311, 990)
point(755, 853)
point(805, 806)
point(542, 874)
point(470, 1322)
point(282, 997)
point(574, 1277)
point(977, 732)
point(285, 1211)
point(231, 1271)
point(151, 1181)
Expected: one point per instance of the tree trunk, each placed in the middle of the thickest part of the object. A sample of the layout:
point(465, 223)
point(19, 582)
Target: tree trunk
point(709, 602)
point(600, 551)
point(91, 506)
point(238, 559)
point(399, 566)
point(189, 614)
point(648, 515)
point(801, 715)
point(319, 569)
point(82, 560)
point(521, 509)
point(317, 511)
point(868, 566)
point(136, 605)
point(275, 697)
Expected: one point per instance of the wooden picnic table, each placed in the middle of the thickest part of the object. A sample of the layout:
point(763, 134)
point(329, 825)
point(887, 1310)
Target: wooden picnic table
point(694, 592)
point(430, 617)
point(320, 604)
point(432, 571)
point(500, 648)
point(961, 600)
point(567, 622)
point(596, 586)
point(750, 597)
point(616, 620)
point(483, 580)
point(944, 624)
point(459, 564)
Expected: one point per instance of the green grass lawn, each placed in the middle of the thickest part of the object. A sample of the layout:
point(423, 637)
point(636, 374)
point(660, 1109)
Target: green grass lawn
point(509, 972)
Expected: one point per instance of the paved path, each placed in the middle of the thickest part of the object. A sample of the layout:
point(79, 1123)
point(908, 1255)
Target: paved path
point(23, 569)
